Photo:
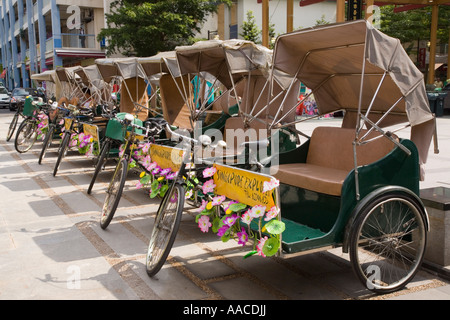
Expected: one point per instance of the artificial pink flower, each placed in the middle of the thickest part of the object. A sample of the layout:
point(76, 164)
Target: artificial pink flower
point(229, 221)
point(242, 237)
point(209, 172)
point(208, 186)
point(204, 224)
point(218, 200)
point(260, 245)
point(257, 211)
point(246, 217)
point(269, 185)
point(272, 213)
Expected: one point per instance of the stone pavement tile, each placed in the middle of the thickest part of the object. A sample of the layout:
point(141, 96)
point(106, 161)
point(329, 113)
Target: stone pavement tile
point(64, 280)
point(284, 279)
point(440, 293)
point(169, 283)
point(241, 289)
point(119, 239)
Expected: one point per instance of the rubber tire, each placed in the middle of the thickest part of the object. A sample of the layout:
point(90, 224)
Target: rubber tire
point(47, 142)
point(100, 163)
point(109, 209)
point(62, 151)
point(12, 126)
point(415, 217)
point(154, 265)
point(22, 127)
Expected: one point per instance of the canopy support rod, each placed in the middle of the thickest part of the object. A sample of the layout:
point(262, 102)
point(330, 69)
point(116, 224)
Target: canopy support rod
point(358, 122)
point(376, 93)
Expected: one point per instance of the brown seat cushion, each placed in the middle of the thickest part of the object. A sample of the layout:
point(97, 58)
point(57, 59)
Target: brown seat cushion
point(330, 159)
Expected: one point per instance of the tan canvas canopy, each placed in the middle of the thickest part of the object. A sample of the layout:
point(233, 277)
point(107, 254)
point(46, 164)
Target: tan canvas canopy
point(52, 82)
point(126, 68)
point(353, 66)
point(156, 64)
point(330, 60)
point(226, 60)
point(133, 88)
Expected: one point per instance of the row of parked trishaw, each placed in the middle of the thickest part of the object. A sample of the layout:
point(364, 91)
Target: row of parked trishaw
point(213, 124)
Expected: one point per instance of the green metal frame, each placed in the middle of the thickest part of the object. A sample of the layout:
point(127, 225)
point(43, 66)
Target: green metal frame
point(316, 220)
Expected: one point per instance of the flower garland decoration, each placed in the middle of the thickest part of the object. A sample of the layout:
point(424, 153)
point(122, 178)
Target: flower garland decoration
point(85, 144)
point(240, 221)
point(153, 176)
point(42, 125)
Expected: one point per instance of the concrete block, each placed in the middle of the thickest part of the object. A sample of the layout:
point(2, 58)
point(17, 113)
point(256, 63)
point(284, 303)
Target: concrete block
point(437, 203)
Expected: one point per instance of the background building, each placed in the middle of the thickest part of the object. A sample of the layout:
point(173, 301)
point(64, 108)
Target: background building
point(38, 35)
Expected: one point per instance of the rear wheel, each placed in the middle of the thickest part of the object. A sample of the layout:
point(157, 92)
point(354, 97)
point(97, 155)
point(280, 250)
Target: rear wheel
point(165, 229)
point(387, 242)
point(114, 193)
point(26, 136)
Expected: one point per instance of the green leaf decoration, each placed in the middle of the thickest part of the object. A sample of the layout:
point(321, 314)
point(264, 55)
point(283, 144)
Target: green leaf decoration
point(271, 247)
point(275, 226)
point(216, 224)
point(226, 236)
point(163, 190)
point(145, 179)
point(251, 253)
point(235, 207)
point(155, 184)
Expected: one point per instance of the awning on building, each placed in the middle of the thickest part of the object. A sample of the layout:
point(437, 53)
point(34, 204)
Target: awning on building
point(80, 53)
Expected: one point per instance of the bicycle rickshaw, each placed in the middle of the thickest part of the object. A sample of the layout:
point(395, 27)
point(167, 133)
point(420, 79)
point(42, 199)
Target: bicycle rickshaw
point(54, 92)
point(182, 86)
point(136, 134)
point(132, 86)
point(33, 126)
point(354, 186)
point(80, 131)
point(45, 76)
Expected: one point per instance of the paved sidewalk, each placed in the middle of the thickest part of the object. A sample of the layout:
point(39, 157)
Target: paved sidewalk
point(52, 247)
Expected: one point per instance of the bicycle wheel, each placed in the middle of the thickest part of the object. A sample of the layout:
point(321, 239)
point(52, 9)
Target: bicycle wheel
point(387, 242)
point(12, 126)
point(100, 163)
point(26, 136)
point(62, 151)
point(47, 142)
point(114, 193)
point(165, 229)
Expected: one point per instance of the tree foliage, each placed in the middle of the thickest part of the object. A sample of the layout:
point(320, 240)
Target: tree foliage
point(414, 24)
point(144, 28)
point(250, 30)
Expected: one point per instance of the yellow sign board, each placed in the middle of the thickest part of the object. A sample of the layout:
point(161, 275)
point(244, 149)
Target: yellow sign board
point(243, 186)
point(167, 157)
point(138, 137)
point(91, 130)
point(67, 123)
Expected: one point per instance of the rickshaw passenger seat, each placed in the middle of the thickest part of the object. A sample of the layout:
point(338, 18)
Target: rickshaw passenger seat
point(330, 159)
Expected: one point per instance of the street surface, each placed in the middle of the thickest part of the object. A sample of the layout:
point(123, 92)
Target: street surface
point(52, 246)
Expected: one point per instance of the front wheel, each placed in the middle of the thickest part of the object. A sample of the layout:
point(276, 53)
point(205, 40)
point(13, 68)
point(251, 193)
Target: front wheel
point(114, 193)
point(47, 142)
point(101, 160)
point(165, 229)
point(387, 242)
point(62, 151)
point(12, 126)
point(26, 136)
